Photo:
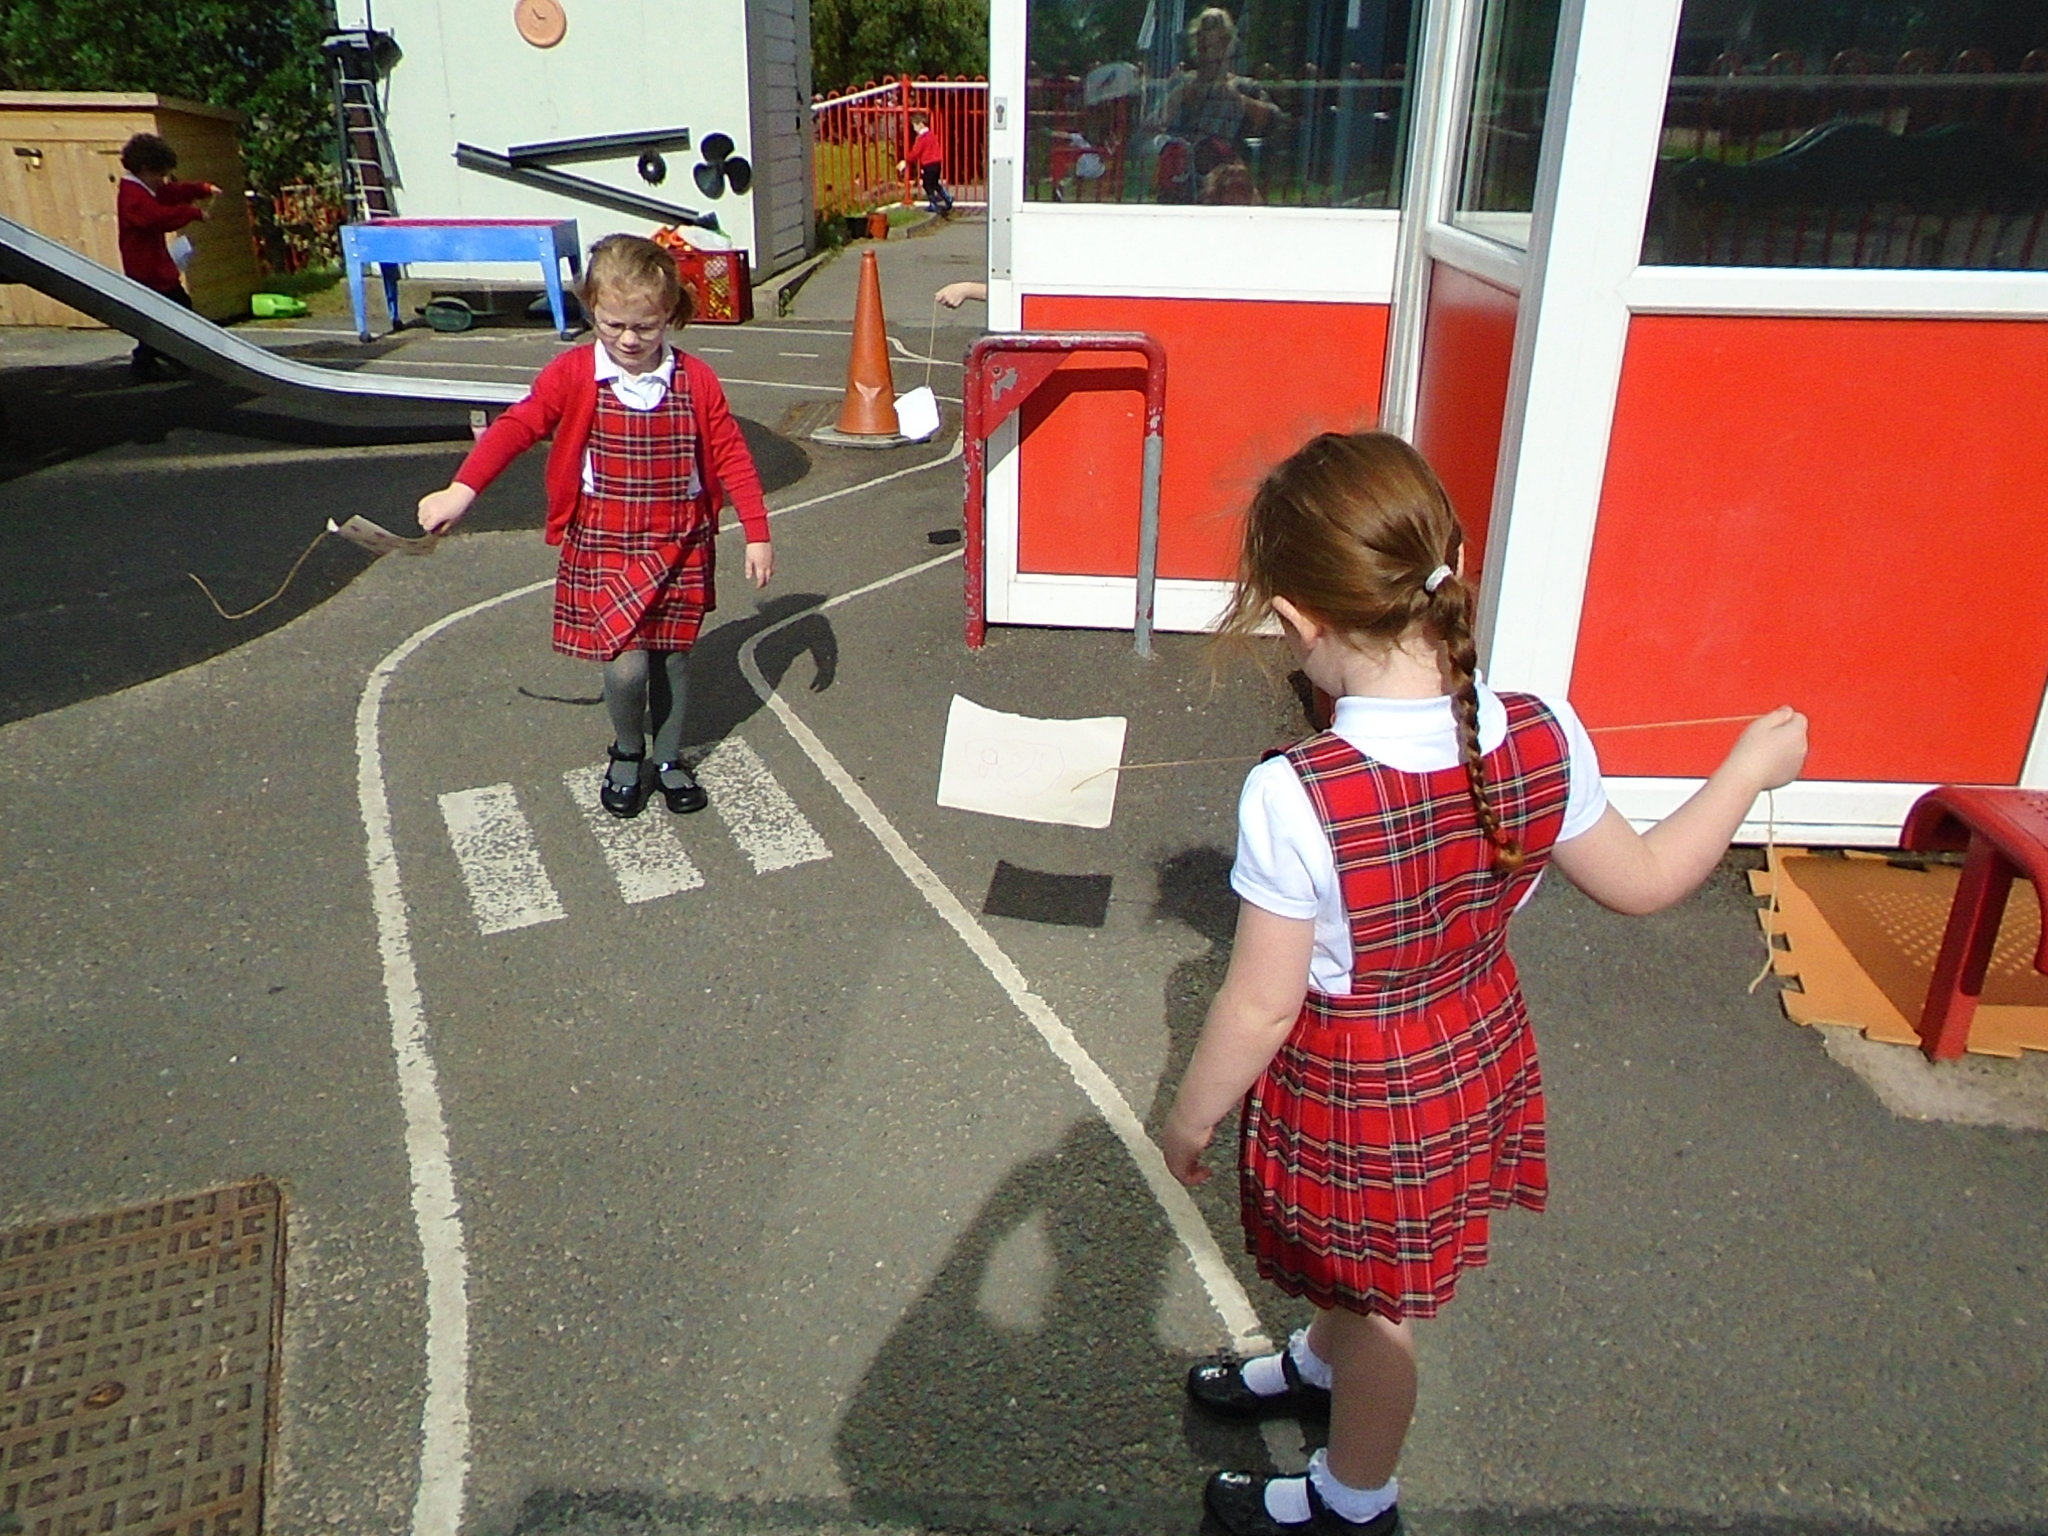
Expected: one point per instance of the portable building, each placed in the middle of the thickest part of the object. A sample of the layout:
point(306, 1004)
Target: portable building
point(1723, 321)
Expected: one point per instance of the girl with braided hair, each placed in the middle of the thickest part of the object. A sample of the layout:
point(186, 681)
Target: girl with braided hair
point(1370, 1021)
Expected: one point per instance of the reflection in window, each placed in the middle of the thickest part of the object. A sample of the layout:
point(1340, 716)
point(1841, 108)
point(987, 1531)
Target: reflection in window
point(1295, 102)
point(1504, 129)
point(1878, 134)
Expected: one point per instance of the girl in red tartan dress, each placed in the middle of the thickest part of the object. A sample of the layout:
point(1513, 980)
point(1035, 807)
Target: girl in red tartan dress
point(645, 449)
point(1370, 1021)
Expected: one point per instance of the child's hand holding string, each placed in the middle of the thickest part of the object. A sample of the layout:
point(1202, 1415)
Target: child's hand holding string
point(440, 510)
point(1771, 749)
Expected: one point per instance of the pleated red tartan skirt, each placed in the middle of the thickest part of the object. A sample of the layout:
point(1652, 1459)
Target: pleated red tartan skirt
point(1373, 1155)
point(631, 582)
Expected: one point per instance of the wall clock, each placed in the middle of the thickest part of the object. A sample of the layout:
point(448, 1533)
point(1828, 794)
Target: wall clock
point(541, 22)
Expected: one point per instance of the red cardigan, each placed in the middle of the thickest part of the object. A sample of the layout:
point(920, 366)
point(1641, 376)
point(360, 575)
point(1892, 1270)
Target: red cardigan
point(563, 401)
point(144, 218)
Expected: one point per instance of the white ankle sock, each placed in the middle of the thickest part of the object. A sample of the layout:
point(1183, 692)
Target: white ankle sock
point(1314, 1369)
point(1268, 1378)
point(1287, 1500)
point(1358, 1504)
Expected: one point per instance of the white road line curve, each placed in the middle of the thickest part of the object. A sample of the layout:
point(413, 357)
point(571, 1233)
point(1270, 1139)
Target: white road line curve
point(444, 1417)
point(1225, 1293)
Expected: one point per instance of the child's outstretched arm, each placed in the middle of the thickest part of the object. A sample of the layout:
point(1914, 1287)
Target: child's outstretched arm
point(1250, 1019)
point(517, 430)
point(1645, 872)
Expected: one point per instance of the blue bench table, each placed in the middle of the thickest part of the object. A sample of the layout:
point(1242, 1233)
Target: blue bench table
point(392, 242)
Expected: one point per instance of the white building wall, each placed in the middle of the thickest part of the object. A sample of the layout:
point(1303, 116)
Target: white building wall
point(623, 66)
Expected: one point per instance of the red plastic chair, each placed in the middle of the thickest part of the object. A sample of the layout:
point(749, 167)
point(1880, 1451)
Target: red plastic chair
point(2001, 833)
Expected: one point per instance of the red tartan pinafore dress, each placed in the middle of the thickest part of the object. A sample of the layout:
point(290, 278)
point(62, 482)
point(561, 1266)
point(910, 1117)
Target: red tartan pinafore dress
point(1379, 1139)
point(636, 571)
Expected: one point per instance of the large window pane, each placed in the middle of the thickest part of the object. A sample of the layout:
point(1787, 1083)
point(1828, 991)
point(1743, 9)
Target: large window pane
point(1295, 102)
point(1855, 133)
point(1504, 129)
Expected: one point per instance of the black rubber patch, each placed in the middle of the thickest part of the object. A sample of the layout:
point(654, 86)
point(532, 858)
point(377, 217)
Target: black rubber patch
point(1071, 901)
point(141, 1365)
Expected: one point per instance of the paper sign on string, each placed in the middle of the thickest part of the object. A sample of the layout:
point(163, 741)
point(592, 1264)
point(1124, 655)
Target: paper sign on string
point(1057, 771)
point(379, 540)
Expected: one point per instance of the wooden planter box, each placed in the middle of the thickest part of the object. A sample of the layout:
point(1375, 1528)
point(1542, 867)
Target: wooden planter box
point(60, 160)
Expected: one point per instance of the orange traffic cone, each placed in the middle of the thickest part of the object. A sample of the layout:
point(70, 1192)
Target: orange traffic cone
point(869, 409)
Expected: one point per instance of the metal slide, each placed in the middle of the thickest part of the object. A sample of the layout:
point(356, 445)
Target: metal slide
point(81, 282)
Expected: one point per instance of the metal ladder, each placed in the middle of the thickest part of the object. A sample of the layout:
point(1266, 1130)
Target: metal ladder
point(369, 169)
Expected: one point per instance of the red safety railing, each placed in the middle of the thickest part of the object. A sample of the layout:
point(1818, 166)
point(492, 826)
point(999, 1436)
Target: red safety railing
point(858, 137)
point(1002, 371)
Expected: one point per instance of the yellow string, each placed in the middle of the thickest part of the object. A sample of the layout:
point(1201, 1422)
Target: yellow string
point(1666, 725)
point(304, 556)
point(1770, 911)
point(1178, 762)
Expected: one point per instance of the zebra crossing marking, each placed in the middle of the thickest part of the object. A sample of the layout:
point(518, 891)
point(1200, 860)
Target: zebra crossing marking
point(508, 885)
point(646, 860)
point(756, 810)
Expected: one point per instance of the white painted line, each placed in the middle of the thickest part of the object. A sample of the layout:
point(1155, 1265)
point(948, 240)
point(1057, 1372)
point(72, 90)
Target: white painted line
point(508, 884)
point(812, 356)
point(757, 811)
point(714, 351)
point(952, 453)
point(437, 1215)
point(1225, 1294)
point(645, 858)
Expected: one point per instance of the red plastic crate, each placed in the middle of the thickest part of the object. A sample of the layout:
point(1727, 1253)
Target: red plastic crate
point(718, 283)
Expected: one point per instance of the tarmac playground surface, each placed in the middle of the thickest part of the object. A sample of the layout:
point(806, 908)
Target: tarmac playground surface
point(796, 1190)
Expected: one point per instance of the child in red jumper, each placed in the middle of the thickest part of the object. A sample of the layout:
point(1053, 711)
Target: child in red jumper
point(645, 451)
point(150, 206)
point(926, 155)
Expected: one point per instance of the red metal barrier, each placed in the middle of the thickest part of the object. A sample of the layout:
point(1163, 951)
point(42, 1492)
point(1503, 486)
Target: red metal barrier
point(858, 137)
point(1002, 371)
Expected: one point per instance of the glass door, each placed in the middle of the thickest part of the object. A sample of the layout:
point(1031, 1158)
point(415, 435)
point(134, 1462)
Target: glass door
point(1484, 102)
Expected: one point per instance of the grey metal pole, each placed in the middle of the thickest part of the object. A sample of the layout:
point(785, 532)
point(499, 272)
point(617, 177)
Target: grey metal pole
point(1148, 541)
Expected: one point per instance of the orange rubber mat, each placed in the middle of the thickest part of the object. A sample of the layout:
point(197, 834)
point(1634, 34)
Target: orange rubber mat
point(1861, 935)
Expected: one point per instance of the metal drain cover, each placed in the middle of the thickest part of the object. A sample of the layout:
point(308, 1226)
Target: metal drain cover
point(138, 1366)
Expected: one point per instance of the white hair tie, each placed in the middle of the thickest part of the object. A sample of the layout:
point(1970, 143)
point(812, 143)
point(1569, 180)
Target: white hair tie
point(1436, 578)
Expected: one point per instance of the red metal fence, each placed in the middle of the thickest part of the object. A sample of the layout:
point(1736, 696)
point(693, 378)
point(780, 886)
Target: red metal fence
point(858, 138)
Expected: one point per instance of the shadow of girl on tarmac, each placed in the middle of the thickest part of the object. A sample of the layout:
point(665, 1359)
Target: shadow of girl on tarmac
point(1029, 1386)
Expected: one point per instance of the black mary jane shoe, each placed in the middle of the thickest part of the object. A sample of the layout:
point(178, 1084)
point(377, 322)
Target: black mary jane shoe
point(685, 797)
point(1218, 1387)
point(622, 800)
point(1237, 1502)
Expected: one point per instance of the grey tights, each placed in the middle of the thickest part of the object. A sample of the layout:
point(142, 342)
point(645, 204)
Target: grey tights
point(634, 691)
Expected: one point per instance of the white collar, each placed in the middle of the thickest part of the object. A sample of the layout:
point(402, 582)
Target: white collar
point(608, 369)
point(1362, 715)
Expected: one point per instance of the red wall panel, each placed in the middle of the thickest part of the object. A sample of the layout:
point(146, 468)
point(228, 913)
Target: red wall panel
point(1468, 342)
point(1843, 514)
point(1247, 382)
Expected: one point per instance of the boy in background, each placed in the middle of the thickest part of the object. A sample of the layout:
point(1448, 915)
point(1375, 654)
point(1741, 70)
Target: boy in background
point(926, 155)
point(151, 206)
